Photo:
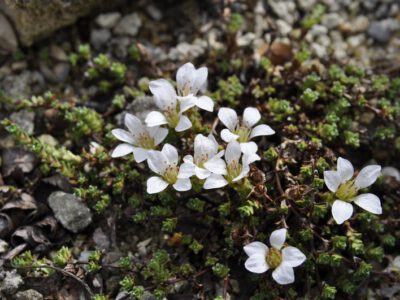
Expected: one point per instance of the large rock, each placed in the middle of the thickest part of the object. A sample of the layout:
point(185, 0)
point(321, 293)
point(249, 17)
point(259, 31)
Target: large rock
point(8, 39)
point(35, 19)
point(70, 211)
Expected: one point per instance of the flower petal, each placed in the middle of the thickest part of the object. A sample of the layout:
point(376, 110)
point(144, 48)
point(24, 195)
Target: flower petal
point(293, 257)
point(227, 136)
point(134, 124)
point(156, 184)
point(277, 238)
point(186, 170)
point(164, 93)
point(228, 117)
point(256, 264)
point(214, 181)
point(200, 79)
point(182, 185)
point(256, 247)
point(155, 118)
point(186, 103)
point(261, 129)
point(122, 150)
point(205, 102)
point(204, 147)
point(341, 211)
point(369, 202)
point(232, 152)
point(158, 134)
point(247, 159)
point(345, 169)
point(332, 180)
point(283, 274)
point(249, 148)
point(123, 135)
point(245, 171)
point(216, 165)
point(140, 154)
point(251, 116)
point(367, 176)
point(202, 173)
point(185, 75)
point(170, 153)
point(183, 124)
point(157, 161)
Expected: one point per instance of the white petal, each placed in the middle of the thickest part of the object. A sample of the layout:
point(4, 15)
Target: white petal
point(185, 76)
point(122, 150)
point(186, 103)
point(283, 274)
point(227, 136)
point(249, 148)
point(251, 116)
point(232, 152)
point(262, 129)
point(277, 238)
point(123, 135)
point(369, 202)
point(157, 161)
point(202, 173)
point(156, 184)
point(200, 79)
point(391, 172)
point(182, 185)
point(341, 211)
point(171, 154)
point(155, 118)
point(345, 169)
point(205, 102)
point(255, 247)
point(204, 147)
point(247, 159)
point(183, 124)
point(256, 264)
point(292, 257)
point(332, 180)
point(216, 165)
point(134, 125)
point(188, 159)
point(158, 134)
point(186, 170)
point(140, 154)
point(214, 181)
point(367, 176)
point(243, 173)
point(228, 117)
point(164, 93)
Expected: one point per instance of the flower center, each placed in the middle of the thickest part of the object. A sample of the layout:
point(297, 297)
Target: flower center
point(145, 141)
point(185, 90)
point(233, 169)
point(172, 117)
point(273, 258)
point(346, 191)
point(243, 132)
point(201, 159)
point(171, 174)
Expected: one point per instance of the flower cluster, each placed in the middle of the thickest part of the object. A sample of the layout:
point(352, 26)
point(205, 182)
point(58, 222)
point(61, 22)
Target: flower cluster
point(216, 165)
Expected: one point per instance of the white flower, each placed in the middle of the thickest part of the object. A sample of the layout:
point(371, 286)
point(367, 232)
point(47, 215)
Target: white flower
point(171, 110)
point(261, 258)
point(205, 152)
point(243, 130)
point(139, 139)
point(165, 164)
point(189, 81)
point(345, 188)
point(230, 170)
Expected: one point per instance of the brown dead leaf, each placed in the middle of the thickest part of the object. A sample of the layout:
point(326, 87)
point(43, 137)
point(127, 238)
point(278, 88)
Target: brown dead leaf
point(280, 53)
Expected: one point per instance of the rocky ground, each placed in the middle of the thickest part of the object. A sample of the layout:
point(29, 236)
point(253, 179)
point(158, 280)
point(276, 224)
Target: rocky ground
point(40, 213)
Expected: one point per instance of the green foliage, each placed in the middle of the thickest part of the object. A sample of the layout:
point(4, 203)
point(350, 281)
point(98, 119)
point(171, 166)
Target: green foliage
point(94, 261)
point(314, 17)
point(229, 90)
point(62, 256)
point(235, 23)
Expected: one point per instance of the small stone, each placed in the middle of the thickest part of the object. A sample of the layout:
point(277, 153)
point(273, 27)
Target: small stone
point(246, 39)
point(185, 50)
point(28, 295)
point(70, 211)
point(8, 39)
point(360, 24)
point(11, 282)
point(99, 37)
point(23, 85)
point(356, 41)
point(17, 159)
point(24, 119)
point(307, 4)
point(140, 107)
point(3, 246)
point(58, 53)
point(331, 20)
point(19, 66)
point(283, 27)
point(154, 12)
point(120, 46)
point(286, 10)
point(381, 31)
point(108, 20)
point(57, 74)
point(318, 50)
point(142, 247)
point(101, 240)
point(128, 25)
